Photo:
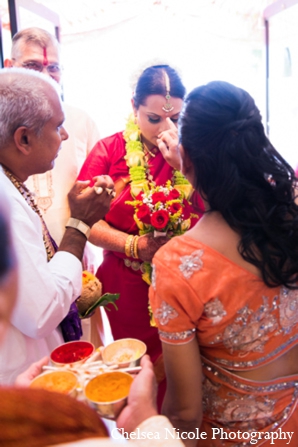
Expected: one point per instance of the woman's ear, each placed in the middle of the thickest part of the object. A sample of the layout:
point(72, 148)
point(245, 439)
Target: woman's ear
point(22, 140)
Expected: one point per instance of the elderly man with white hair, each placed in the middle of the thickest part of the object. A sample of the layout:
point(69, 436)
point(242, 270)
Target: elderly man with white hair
point(31, 133)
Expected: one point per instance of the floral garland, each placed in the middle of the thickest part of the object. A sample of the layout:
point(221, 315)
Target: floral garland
point(138, 166)
point(165, 209)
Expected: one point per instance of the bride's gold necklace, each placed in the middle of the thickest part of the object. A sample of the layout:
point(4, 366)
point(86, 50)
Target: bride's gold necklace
point(149, 154)
point(49, 244)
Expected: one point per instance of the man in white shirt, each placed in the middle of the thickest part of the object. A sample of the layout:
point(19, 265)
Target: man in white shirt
point(37, 49)
point(31, 134)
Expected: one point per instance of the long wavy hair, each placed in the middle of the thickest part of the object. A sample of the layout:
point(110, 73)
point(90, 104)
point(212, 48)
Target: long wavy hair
point(243, 177)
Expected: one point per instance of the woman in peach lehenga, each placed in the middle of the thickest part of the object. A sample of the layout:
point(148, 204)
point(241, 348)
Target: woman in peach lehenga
point(225, 294)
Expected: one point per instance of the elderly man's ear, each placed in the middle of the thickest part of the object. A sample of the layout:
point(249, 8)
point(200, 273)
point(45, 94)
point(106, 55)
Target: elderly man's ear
point(22, 140)
point(8, 63)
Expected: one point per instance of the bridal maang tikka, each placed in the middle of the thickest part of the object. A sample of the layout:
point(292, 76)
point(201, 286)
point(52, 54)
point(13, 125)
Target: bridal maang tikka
point(168, 107)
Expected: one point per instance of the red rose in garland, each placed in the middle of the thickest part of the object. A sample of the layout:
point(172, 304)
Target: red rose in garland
point(143, 214)
point(175, 208)
point(159, 219)
point(161, 209)
point(173, 194)
point(158, 197)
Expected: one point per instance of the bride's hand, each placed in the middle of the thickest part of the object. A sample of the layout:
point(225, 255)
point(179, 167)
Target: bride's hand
point(148, 245)
point(167, 143)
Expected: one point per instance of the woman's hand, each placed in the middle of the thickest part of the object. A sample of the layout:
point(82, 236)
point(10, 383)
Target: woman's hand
point(148, 246)
point(167, 143)
point(23, 380)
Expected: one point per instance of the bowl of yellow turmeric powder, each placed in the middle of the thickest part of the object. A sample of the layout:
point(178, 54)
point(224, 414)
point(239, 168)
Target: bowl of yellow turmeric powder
point(65, 382)
point(125, 353)
point(107, 393)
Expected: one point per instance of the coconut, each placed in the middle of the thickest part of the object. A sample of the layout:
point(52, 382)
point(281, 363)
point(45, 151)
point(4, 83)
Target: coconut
point(91, 292)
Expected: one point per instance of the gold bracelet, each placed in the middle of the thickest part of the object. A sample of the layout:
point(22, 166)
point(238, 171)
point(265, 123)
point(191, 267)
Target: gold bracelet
point(131, 246)
point(135, 247)
point(127, 247)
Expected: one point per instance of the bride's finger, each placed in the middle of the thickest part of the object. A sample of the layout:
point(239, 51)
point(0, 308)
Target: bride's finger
point(171, 124)
point(162, 146)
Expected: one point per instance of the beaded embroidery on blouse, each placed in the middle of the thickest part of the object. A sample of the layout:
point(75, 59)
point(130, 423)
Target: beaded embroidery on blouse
point(214, 310)
point(192, 263)
point(177, 335)
point(165, 313)
point(252, 329)
point(288, 309)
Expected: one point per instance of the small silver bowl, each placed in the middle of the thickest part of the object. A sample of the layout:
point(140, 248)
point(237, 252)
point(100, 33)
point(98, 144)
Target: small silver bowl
point(72, 353)
point(65, 382)
point(125, 353)
point(100, 393)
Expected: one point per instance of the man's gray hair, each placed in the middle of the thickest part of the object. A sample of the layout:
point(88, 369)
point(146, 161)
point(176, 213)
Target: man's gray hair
point(24, 101)
point(34, 35)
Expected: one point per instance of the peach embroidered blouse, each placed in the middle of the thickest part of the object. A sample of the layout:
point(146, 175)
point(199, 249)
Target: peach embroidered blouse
point(239, 323)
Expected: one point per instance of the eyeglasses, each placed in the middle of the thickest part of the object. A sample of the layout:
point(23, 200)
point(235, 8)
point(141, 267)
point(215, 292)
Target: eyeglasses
point(37, 66)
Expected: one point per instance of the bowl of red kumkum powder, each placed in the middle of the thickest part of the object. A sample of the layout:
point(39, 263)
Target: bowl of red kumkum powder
point(72, 352)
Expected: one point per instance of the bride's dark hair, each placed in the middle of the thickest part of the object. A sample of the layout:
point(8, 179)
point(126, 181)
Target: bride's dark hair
point(152, 82)
point(243, 177)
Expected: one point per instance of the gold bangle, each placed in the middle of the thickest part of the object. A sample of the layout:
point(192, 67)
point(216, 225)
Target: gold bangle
point(131, 245)
point(127, 247)
point(135, 247)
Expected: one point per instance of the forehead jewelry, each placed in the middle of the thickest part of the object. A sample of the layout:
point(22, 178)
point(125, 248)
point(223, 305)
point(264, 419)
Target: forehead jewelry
point(168, 107)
